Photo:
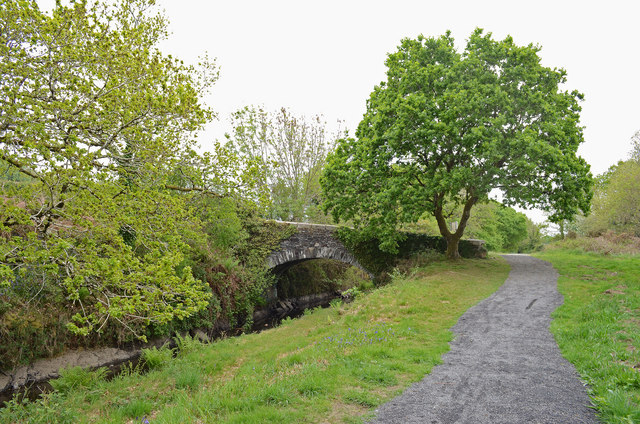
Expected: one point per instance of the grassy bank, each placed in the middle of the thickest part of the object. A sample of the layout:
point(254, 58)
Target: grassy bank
point(598, 327)
point(332, 365)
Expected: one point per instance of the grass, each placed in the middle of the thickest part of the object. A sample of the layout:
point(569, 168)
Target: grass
point(331, 365)
point(598, 327)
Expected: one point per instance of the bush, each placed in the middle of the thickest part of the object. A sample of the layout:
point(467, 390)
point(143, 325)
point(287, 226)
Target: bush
point(77, 377)
point(154, 358)
point(606, 244)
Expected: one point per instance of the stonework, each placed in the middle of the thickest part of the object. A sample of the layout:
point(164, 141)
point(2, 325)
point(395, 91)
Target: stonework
point(311, 241)
point(315, 241)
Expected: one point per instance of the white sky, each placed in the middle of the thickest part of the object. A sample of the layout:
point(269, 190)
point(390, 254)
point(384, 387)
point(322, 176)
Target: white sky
point(324, 57)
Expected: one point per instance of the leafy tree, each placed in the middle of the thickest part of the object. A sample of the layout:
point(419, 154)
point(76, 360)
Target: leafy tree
point(635, 150)
point(616, 204)
point(448, 127)
point(102, 126)
point(500, 226)
point(291, 152)
point(535, 238)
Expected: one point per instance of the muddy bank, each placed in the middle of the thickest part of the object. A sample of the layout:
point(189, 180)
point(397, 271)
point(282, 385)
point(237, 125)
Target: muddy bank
point(35, 376)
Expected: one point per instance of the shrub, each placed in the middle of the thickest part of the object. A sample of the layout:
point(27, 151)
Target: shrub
point(77, 377)
point(154, 358)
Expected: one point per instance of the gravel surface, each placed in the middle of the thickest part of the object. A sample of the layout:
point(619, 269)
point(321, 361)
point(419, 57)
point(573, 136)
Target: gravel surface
point(504, 365)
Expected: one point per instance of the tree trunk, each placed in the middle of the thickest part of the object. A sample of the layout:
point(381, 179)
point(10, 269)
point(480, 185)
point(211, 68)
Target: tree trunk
point(453, 239)
point(452, 246)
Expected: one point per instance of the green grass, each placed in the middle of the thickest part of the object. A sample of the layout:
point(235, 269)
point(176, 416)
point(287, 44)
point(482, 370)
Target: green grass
point(598, 327)
point(331, 365)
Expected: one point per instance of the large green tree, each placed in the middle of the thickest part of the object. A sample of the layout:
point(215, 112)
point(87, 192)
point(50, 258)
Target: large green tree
point(447, 127)
point(102, 126)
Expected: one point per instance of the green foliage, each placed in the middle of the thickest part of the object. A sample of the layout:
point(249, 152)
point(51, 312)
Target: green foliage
point(155, 358)
point(103, 170)
point(597, 326)
point(290, 153)
point(107, 210)
point(368, 250)
point(77, 378)
point(446, 128)
point(616, 203)
point(186, 344)
point(263, 238)
point(534, 240)
point(500, 226)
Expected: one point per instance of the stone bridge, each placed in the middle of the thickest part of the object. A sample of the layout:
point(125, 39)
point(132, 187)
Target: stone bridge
point(311, 241)
point(315, 241)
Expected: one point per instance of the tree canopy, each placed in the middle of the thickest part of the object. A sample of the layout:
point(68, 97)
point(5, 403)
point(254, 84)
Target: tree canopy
point(616, 203)
point(291, 152)
point(446, 128)
point(101, 128)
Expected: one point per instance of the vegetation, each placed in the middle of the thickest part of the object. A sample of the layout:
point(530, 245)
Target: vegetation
point(90, 225)
point(501, 227)
point(112, 226)
point(597, 327)
point(616, 203)
point(335, 364)
point(291, 153)
point(446, 128)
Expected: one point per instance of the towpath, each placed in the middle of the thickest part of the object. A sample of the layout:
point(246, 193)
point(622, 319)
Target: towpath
point(504, 365)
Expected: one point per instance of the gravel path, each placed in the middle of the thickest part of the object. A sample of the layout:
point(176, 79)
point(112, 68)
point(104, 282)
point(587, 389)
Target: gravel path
point(504, 365)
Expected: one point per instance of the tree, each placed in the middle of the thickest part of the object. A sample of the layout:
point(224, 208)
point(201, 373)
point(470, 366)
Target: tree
point(534, 240)
point(635, 150)
point(102, 126)
point(500, 226)
point(448, 127)
point(616, 204)
point(291, 152)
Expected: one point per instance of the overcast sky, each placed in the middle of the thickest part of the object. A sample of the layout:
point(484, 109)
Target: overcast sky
point(325, 57)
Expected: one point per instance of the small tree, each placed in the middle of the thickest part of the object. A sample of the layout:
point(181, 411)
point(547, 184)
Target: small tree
point(291, 152)
point(446, 128)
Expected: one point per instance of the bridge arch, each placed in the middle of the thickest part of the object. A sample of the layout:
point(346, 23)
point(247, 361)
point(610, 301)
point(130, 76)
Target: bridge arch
point(311, 241)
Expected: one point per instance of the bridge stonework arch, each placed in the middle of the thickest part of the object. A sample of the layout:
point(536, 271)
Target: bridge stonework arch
point(311, 241)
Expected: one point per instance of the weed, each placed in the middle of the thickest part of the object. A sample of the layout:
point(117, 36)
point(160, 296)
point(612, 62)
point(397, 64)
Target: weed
point(351, 293)
point(136, 408)
point(77, 378)
point(154, 358)
point(336, 303)
point(186, 344)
